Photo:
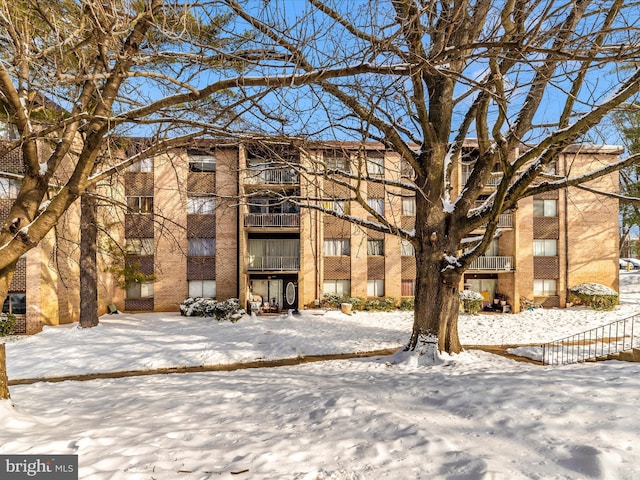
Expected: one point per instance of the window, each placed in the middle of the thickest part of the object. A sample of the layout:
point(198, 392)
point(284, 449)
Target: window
point(339, 287)
point(337, 163)
point(140, 204)
point(375, 165)
point(545, 248)
point(406, 170)
point(409, 206)
point(375, 288)
point(338, 206)
point(15, 303)
point(202, 163)
point(407, 249)
point(545, 208)
point(544, 288)
point(140, 290)
point(336, 246)
point(202, 247)
point(408, 288)
point(551, 169)
point(9, 188)
point(201, 205)
point(202, 288)
point(139, 246)
point(375, 247)
point(376, 204)
point(145, 165)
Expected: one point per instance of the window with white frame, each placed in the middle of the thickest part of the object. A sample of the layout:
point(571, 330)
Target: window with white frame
point(545, 247)
point(202, 288)
point(140, 204)
point(9, 188)
point(139, 246)
point(338, 287)
point(376, 204)
point(375, 247)
point(202, 163)
point(545, 208)
point(545, 287)
point(409, 206)
point(337, 247)
point(338, 206)
point(337, 163)
point(201, 205)
point(375, 165)
point(375, 288)
point(145, 166)
point(407, 249)
point(202, 247)
point(140, 290)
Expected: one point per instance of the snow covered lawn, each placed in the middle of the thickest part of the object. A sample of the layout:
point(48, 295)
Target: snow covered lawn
point(476, 416)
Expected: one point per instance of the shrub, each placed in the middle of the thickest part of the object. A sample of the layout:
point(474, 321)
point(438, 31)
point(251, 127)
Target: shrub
point(333, 300)
point(380, 304)
point(357, 303)
point(7, 324)
point(471, 301)
point(407, 303)
point(596, 296)
point(229, 310)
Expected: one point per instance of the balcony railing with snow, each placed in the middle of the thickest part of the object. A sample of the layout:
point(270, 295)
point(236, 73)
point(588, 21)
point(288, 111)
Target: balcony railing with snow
point(266, 220)
point(492, 263)
point(493, 181)
point(272, 176)
point(274, 263)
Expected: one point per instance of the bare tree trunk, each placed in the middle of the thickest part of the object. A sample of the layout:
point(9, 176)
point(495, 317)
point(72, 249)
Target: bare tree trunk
point(437, 303)
point(4, 381)
point(88, 265)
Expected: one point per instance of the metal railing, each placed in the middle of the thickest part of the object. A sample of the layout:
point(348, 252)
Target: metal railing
point(598, 342)
point(283, 220)
point(274, 263)
point(272, 176)
point(493, 181)
point(492, 263)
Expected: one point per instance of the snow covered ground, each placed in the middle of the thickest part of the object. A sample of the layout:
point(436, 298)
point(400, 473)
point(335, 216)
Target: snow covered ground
point(475, 416)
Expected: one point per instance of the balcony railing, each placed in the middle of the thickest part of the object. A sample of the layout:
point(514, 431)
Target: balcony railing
point(494, 179)
point(265, 220)
point(274, 263)
point(505, 220)
point(492, 263)
point(272, 176)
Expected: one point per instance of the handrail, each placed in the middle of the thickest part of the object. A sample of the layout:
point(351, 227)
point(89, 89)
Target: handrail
point(591, 344)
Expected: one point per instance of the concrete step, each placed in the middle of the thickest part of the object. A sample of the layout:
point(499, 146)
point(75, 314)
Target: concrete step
point(626, 356)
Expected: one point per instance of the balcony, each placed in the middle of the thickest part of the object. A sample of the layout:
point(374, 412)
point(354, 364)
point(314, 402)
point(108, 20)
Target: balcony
point(269, 220)
point(500, 264)
point(272, 176)
point(280, 264)
point(493, 181)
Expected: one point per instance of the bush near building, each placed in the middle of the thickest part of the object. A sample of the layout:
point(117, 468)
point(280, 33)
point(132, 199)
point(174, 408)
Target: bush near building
point(594, 295)
point(228, 310)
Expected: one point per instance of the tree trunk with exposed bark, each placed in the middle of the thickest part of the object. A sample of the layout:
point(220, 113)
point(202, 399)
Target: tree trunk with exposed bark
point(88, 261)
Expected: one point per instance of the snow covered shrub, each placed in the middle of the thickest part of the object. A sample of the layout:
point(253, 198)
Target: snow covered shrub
point(407, 303)
point(333, 300)
point(598, 297)
point(7, 324)
point(357, 303)
point(471, 301)
point(229, 310)
point(380, 304)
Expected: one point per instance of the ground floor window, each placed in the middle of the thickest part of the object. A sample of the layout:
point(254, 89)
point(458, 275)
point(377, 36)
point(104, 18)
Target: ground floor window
point(202, 288)
point(408, 288)
point(545, 288)
point(375, 288)
point(15, 303)
point(140, 290)
point(339, 287)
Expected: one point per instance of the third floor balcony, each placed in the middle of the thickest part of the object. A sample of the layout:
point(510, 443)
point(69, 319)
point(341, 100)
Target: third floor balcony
point(492, 264)
point(272, 220)
point(271, 176)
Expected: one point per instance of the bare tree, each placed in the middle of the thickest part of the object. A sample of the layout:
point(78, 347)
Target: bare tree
point(525, 79)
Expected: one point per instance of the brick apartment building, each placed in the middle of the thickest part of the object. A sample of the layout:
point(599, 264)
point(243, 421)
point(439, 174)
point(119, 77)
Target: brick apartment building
point(213, 220)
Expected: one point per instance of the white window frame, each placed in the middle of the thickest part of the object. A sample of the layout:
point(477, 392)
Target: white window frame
point(205, 163)
point(140, 204)
point(545, 208)
point(335, 162)
point(139, 290)
point(139, 246)
point(201, 205)
point(409, 206)
point(201, 247)
point(375, 247)
point(202, 288)
point(545, 287)
point(376, 204)
point(547, 247)
point(337, 247)
point(375, 288)
point(9, 188)
point(144, 166)
point(406, 248)
point(338, 287)
point(375, 165)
